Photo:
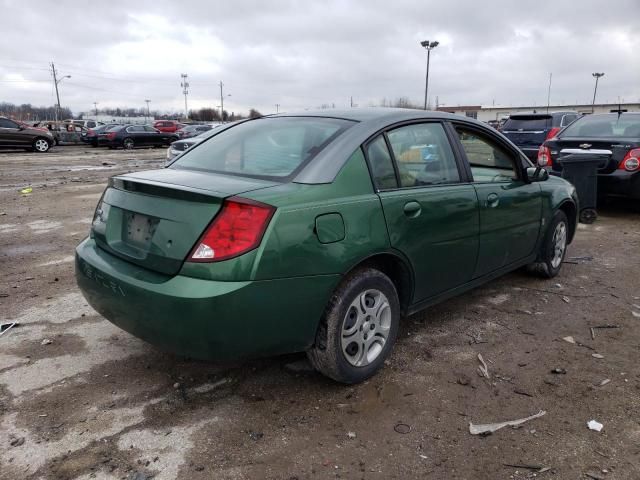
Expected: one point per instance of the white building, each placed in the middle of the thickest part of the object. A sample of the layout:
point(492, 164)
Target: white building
point(497, 112)
point(112, 119)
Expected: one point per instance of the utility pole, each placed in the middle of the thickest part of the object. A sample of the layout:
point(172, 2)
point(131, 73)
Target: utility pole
point(277, 107)
point(185, 90)
point(428, 47)
point(549, 91)
point(95, 105)
point(55, 82)
point(597, 77)
point(221, 102)
point(148, 113)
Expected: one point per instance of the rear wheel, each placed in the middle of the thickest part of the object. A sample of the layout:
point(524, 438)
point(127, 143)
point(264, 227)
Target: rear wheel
point(41, 145)
point(128, 143)
point(359, 327)
point(553, 249)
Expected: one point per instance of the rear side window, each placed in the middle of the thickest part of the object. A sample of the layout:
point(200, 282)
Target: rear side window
point(381, 164)
point(423, 155)
point(266, 147)
point(525, 123)
point(567, 119)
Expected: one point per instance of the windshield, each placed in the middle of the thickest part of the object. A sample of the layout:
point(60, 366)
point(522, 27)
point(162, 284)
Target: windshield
point(606, 125)
point(527, 123)
point(265, 148)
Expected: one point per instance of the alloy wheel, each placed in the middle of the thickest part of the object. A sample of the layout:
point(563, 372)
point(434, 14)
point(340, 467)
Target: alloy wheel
point(366, 327)
point(559, 244)
point(128, 144)
point(41, 145)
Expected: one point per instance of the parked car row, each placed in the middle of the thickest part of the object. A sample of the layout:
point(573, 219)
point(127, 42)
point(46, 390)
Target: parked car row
point(613, 136)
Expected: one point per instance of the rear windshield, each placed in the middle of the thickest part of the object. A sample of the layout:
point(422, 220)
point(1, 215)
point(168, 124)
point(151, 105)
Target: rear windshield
point(606, 125)
point(527, 123)
point(264, 148)
point(115, 129)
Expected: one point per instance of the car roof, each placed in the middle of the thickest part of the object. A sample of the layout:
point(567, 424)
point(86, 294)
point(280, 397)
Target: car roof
point(370, 114)
point(326, 165)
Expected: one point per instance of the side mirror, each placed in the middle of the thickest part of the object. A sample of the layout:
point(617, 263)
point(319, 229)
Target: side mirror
point(537, 174)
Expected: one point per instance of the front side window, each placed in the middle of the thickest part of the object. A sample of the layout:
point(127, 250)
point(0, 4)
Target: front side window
point(6, 123)
point(489, 162)
point(423, 155)
point(266, 147)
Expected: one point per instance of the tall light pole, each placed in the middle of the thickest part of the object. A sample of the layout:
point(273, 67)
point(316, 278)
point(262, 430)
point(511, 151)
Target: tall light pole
point(185, 90)
point(597, 77)
point(95, 106)
point(428, 46)
point(549, 92)
point(148, 114)
point(222, 101)
point(56, 81)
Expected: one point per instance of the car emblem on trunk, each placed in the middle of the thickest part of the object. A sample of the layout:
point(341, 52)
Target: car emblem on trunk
point(585, 145)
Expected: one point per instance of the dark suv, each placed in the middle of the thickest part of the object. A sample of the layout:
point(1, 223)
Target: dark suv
point(18, 135)
point(530, 130)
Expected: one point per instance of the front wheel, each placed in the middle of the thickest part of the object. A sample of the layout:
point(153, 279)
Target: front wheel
point(554, 247)
point(358, 329)
point(41, 145)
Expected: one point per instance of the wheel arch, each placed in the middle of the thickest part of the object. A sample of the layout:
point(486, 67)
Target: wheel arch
point(397, 268)
point(571, 211)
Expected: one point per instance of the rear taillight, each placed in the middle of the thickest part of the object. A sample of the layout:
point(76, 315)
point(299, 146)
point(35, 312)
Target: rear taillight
point(544, 156)
point(237, 229)
point(552, 133)
point(631, 161)
point(111, 135)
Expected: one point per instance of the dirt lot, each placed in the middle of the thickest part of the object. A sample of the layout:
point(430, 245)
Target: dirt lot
point(81, 399)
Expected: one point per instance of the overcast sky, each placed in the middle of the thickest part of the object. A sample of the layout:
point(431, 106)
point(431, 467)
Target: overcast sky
point(302, 54)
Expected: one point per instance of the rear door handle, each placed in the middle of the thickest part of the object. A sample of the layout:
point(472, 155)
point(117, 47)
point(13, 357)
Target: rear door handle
point(493, 200)
point(412, 209)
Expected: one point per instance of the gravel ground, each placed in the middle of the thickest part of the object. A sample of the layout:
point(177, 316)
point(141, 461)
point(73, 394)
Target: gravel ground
point(81, 399)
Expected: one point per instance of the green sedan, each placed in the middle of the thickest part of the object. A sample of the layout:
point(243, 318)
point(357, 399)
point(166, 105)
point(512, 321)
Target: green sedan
point(317, 232)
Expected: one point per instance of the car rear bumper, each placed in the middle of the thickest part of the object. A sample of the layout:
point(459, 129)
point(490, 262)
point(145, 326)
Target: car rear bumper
point(621, 183)
point(199, 318)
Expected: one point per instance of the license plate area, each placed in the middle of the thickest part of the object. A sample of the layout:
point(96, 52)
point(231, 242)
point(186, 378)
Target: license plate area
point(138, 229)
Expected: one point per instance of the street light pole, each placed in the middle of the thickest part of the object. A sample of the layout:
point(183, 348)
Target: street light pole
point(597, 77)
point(56, 81)
point(95, 105)
point(428, 46)
point(148, 114)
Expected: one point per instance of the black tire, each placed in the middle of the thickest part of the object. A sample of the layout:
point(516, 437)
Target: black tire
point(547, 265)
point(327, 354)
point(128, 144)
point(41, 145)
point(588, 215)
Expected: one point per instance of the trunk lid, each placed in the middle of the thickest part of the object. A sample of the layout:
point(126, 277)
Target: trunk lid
point(618, 147)
point(154, 218)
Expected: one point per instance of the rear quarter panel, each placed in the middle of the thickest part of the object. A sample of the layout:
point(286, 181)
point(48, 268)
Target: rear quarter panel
point(291, 246)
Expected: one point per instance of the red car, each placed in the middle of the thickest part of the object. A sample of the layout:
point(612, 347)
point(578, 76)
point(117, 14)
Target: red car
point(168, 126)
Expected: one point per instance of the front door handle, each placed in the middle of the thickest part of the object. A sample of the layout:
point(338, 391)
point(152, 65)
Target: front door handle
point(493, 200)
point(412, 209)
